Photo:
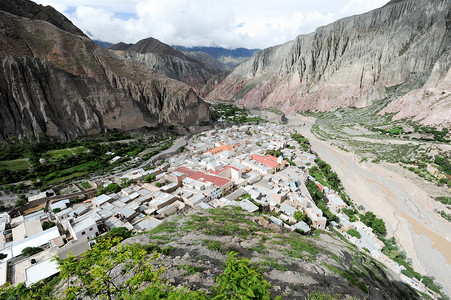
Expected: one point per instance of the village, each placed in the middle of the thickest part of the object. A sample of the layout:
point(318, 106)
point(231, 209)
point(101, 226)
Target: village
point(214, 169)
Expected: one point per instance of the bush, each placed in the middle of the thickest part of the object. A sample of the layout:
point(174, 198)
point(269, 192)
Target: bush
point(353, 232)
point(241, 280)
point(29, 251)
point(47, 224)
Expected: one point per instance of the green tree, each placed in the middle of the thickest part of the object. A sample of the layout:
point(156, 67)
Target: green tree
point(149, 178)
point(95, 275)
point(47, 224)
point(29, 251)
point(353, 232)
point(300, 216)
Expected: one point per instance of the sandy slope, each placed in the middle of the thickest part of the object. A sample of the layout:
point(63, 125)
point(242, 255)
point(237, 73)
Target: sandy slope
point(404, 205)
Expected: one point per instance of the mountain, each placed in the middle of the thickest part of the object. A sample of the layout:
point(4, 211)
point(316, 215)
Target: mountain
point(399, 53)
point(161, 57)
point(228, 57)
point(103, 44)
point(64, 85)
point(33, 11)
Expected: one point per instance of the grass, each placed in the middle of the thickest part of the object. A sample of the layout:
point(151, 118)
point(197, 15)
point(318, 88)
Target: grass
point(190, 269)
point(56, 155)
point(349, 277)
point(272, 263)
point(86, 185)
point(15, 165)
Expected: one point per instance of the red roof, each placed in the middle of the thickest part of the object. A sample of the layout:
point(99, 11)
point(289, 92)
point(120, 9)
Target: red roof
point(220, 149)
point(222, 170)
point(266, 161)
point(204, 177)
point(319, 186)
point(184, 170)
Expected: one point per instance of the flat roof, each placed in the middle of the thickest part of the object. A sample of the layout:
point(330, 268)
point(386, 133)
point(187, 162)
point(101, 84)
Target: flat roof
point(35, 240)
point(41, 271)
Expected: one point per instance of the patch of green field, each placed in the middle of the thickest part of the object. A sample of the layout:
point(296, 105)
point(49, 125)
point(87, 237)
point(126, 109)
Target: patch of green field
point(56, 155)
point(86, 185)
point(15, 165)
point(70, 173)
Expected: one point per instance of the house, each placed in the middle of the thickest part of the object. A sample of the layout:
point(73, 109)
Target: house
point(60, 204)
point(40, 271)
point(195, 199)
point(248, 205)
point(276, 221)
point(98, 201)
point(287, 209)
point(301, 226)
point(82, 227)
point(223, 184)
point(335, 201)
point(161, 200)
point(26, 229)
point(147, 223)
point(64, 214)
point(176, 177)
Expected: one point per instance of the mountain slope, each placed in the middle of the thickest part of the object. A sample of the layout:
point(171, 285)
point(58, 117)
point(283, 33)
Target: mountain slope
point(31, 10)
point(67, 86)
point(158, 56)
point(354, 62)
point(294, 265)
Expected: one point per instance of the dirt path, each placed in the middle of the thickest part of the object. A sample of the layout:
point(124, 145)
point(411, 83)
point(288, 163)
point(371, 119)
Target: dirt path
point(406, 208)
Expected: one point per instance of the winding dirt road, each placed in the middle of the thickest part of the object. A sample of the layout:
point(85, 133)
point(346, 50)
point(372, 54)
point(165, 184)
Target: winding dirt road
point(407, 209)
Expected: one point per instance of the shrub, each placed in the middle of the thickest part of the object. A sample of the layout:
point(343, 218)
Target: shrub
point(29, 251)
point(355, 233)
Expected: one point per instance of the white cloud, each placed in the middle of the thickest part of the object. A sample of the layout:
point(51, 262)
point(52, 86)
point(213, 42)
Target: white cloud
point(231, 23)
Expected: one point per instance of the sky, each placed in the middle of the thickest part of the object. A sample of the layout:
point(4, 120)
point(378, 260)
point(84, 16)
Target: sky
point(229, 24)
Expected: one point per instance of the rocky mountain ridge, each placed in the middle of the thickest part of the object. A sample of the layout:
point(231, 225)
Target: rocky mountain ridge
point(356, 61)
point(66, 86)
point(162, 58)
point(228, 57)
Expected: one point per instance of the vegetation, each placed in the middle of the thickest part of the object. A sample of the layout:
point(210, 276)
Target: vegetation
point(111, 188)
point(377, 224)
point(324, 174)
point(303, 141)
point(93, 275)
point(29, 251)
point(241, 280)
point(233, 114)
point(353, 232)
point(391, 249)
point(48, 224)
point(300, 216)
point(69, 160)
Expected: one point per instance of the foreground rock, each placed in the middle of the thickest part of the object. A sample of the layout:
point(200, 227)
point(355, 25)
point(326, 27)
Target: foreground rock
point(295, 265)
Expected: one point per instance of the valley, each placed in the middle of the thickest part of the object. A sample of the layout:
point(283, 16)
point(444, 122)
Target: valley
point(404, 200)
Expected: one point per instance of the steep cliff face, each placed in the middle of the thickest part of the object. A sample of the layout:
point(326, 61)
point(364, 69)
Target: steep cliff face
point(189, 72)
point(164, 59)
point(36, 97)
point(66, 86)
point(352, 62)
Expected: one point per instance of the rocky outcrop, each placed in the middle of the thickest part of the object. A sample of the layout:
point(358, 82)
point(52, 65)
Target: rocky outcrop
point(354, 62)
point(66, 86)
point(34, 11)
point(36, 97)
point(189, 72)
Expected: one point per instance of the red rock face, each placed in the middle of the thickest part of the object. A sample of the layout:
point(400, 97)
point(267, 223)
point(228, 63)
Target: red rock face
point(354, 62)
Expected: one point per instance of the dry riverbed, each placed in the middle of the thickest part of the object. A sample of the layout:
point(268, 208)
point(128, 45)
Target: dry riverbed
point(405, 204)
